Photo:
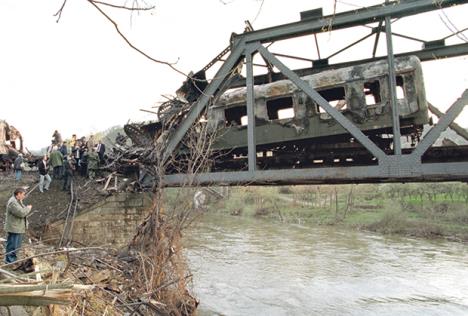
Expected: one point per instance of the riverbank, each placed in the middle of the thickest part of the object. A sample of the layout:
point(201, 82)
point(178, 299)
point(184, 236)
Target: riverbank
point(420, 210)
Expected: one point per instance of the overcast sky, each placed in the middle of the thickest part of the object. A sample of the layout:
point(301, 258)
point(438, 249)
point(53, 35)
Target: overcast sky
point(78, 75)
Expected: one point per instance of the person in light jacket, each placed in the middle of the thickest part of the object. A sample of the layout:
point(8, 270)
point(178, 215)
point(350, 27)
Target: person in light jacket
point(15, 223)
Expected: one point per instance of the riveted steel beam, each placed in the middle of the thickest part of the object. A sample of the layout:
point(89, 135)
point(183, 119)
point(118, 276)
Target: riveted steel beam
point(441, 126)
point(430, 172)
point(425, 54)
point(392, 88)
point(394, 9)
point(251, 143)
point(210, 91)
point(457, 128)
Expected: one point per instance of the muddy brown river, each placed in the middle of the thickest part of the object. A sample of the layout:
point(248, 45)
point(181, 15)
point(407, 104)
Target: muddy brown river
point(254, 267)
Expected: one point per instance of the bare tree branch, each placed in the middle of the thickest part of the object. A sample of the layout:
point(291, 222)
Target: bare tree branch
point(58, 14)
point(124, 7)
point(258, 12)
point(116, 26)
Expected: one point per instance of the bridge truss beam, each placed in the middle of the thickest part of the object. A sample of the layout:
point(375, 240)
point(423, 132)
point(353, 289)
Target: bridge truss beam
point(397, 167)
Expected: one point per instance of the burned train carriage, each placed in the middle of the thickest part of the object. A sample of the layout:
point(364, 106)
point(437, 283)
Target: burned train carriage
point(291, 129)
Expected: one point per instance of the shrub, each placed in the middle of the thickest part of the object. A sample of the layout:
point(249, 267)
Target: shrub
point(261, 211)
point(441, 208)
point(390, 222)
point(408, 206)
point(459, 216)
point(236, 212)
point(285, 190)
point(249, 199)
point(425, 229)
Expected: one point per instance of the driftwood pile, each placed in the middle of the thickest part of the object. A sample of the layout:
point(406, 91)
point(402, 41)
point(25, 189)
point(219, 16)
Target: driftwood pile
point(35, 281)
point(78, 281)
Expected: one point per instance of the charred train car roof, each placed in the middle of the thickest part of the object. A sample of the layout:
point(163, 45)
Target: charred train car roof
point(323, 79)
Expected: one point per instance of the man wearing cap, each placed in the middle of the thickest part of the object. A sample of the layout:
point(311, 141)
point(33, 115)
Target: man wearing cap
point(15, 223)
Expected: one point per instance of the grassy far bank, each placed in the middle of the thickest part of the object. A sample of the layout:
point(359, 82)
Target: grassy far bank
point(425, 210)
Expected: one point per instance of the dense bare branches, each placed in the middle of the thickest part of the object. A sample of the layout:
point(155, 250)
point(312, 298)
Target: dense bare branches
point(162, 273)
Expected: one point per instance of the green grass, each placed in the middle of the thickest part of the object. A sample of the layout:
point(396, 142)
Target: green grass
point(457, 198)
point(370, 211)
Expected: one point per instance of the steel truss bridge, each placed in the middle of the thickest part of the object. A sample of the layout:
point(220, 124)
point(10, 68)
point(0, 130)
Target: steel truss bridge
point(401, 165)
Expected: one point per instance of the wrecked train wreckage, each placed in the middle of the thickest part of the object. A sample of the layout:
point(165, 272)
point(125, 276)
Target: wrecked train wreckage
point(291, 129)
point(11, 144)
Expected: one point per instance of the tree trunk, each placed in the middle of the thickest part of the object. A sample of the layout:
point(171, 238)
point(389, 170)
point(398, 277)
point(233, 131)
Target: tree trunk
point(336, 204)
point(349, 201)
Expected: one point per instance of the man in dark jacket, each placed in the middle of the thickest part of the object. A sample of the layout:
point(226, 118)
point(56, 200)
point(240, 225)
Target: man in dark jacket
point(56, 138)
point(63, 149)
point(83, 160)
point(43, 167)
point(18, 166)
point(69, 167)
point(15, 223)
point(101, 149)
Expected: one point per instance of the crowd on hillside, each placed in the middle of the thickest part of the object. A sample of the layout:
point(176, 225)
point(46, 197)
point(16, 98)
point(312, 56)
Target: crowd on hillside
point(77, 156)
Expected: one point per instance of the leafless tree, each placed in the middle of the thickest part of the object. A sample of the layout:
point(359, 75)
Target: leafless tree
point(162, 273)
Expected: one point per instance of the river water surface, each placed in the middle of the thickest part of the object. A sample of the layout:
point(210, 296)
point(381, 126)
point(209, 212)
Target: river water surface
point(254, 267)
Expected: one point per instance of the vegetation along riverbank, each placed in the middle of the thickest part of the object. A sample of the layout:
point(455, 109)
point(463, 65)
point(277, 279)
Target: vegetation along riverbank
point(429, 210)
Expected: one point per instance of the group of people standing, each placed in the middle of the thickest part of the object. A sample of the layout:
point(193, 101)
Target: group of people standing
point(77, 156)
point(65, 158)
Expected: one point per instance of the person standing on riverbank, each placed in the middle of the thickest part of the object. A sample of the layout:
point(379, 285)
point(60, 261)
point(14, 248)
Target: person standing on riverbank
point(15, 223)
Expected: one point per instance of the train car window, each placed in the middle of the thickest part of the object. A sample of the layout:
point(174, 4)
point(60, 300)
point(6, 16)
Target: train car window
point(400, 91)
point(234, 115)
point(280, 108)
point(372, 92)
point(335, 96)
